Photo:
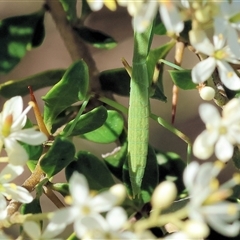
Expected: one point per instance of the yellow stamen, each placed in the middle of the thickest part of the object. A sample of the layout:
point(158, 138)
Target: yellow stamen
point(68, 200)
point(236, 178)
point(13, 186)
point(7, 176)
point(218, 164)
point(218, 196)
point(229, 74)
point(110, 4)
point(6, 128)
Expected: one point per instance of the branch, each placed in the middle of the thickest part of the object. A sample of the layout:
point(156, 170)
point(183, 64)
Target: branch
point(74, 44)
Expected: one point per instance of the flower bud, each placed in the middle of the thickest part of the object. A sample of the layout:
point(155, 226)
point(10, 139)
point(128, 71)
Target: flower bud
point(196, 229)
point(164, 195)
point(207, 93)
point(119, 191)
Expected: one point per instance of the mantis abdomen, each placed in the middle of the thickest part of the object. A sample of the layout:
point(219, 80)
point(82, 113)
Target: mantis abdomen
point(138, 125)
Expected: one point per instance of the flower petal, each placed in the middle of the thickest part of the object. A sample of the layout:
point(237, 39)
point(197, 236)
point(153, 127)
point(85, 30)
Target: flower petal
point(202, 148)
point(79, 189)
point(3, 207)
point(17, 193)
point(29, 136)
point(10, 172)
point(171, 17)
point(60, 220)
point(203, 70)
point(228, 76)
point(32, 229)
point(223, 149)
point(201, 42)
point(116, 218)
point(13, 106)
point(103, 202)
point(209, 114)
point(16, 153)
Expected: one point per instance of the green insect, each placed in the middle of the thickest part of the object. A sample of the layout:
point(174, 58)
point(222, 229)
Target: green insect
point(138, 114)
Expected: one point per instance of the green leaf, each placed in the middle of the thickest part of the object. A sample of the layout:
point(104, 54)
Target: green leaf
point(71, 88)
point(18, 35)
point(171, 168)
point(86, 10)
point(62, 188)
point(150, 179)
point(96, 38)
point(116, 159)
point(109, 131)
point(152, 62)
point(58, 156)
point(70, 9)
point(158, 27)
point(20, 87)
point(182, 79)
point(116, 81)
point(88, 122)
point(96, 172)
point(32, 207)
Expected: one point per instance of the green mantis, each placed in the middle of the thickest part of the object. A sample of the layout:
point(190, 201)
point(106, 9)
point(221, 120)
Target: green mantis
point(138, 114)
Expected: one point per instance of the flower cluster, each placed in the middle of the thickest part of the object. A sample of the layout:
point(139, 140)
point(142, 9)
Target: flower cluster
point(12, 135)
point(12, 131)
point(221, 134)
point(221, 16)
point(208, 202)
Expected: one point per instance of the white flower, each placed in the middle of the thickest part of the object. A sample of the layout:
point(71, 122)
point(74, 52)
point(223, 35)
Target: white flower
point(12, 120)
point(11, 190)
point(144, 15)
point(207, 199)
point(219, 56)
point(97, 5)
point(109, 228)
point(221, 134)
point(224, 24)
point(171, 17)
point(33, 230)
point(83, 205)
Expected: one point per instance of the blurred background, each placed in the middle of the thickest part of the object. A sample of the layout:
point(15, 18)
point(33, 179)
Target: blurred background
point(52, 54)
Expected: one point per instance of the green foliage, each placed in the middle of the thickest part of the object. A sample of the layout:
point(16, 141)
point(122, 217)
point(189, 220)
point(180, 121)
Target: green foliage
point(109, 131)
point(37, 81)
point(171, 168)
point(71, 88)
point(96, 172)
point(115, 160)
point(182, 79)
point(116, 81)
point(152, 63)
point(60, 154)
point(87, 122)
point(96, 38)
point(70, 9)
point(18, 35)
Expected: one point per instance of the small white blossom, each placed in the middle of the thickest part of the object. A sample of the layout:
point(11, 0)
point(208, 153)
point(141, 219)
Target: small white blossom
point(83, 205)
point(12, 120)
point(219, 56)
point(105, 228)
point(221, 133)
point(33, 230)
point(97, 5)
point(223, 24)
point(171, 17)
point(207, 199)
point(11, 190)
